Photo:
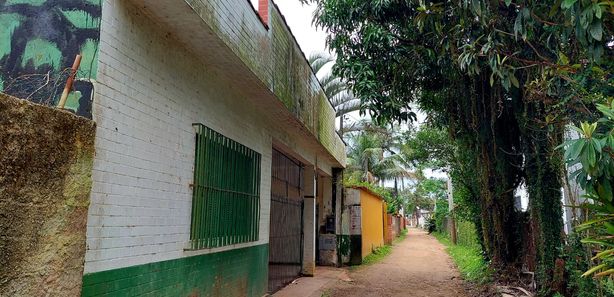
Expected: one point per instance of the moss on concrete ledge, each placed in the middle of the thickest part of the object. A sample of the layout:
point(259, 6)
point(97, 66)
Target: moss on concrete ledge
point(46, 158)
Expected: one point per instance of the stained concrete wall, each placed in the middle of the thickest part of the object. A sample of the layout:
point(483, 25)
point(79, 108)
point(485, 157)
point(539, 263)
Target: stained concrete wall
point(230, 33)
point(46, 158)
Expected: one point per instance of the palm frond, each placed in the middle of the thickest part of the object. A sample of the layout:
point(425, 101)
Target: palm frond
point(318, 61)
point(342, 98)
point(332, 85)
point(349, 106)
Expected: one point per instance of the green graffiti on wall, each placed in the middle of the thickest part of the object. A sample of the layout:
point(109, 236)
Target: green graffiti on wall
point(29, 2)
point(42, 54)
point(81, 19)
point(39, 40)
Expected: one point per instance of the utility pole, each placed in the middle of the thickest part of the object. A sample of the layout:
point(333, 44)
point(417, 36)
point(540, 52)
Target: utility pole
point(451, 210)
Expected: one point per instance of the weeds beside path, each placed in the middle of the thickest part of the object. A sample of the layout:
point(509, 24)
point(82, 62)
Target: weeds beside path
point(468, 259)
point(416, 266)
point(381, 252)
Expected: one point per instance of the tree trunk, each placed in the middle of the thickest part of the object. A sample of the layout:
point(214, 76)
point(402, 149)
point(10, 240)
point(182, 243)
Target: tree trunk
point(543, 176)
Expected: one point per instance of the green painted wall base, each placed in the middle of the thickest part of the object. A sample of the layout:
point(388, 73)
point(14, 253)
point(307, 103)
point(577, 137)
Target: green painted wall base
point(240, 272)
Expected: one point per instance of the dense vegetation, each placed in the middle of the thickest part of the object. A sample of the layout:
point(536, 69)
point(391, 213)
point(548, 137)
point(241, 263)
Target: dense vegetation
point(468, 258)
point(502, 79)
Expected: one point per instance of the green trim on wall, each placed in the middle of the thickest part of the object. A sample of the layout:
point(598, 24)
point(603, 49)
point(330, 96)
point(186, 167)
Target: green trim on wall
point(238, 272)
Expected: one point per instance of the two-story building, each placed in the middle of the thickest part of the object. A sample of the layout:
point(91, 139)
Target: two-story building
point(214, 139)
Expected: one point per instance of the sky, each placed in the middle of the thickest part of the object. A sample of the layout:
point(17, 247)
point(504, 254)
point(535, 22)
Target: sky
point(298, 17)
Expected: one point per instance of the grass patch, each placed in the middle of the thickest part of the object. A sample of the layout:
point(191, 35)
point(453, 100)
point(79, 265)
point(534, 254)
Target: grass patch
point(468, 259)
point(377, 255)
point(401, 237)
point(381, 252)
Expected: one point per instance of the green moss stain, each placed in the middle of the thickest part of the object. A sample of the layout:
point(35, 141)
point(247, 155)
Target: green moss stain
point(78, 181)
point(278, 62)
point(30, 2)
point(238, 272)
point(8, 23)
point(283, 62)
point(41, 52)
point(81, 19)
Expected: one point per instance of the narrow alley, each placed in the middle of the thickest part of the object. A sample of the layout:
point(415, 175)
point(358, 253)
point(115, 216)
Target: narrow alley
point(417, 266)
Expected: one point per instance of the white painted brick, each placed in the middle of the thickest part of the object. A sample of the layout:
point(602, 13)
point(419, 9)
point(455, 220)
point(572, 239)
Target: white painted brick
point(150, 90)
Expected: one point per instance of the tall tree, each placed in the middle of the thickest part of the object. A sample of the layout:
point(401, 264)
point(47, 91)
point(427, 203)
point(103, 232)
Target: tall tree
point(496, 74)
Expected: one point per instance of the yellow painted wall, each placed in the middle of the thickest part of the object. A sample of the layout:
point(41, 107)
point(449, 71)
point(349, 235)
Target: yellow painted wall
point(372, 222)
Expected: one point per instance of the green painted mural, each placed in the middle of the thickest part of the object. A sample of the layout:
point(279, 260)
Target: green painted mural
point(39, 40)
point(237, 272)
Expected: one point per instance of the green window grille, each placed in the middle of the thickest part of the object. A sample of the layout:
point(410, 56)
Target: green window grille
point(226, 199)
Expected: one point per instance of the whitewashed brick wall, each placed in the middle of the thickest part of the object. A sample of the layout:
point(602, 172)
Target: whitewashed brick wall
point(150, 90)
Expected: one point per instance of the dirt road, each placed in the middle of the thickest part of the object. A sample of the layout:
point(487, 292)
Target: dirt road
point(418, 266)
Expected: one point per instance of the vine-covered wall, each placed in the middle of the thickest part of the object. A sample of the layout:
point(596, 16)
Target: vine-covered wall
point(39, 40)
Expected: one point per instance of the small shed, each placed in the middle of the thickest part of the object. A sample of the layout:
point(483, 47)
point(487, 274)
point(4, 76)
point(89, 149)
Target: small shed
point(363, 219)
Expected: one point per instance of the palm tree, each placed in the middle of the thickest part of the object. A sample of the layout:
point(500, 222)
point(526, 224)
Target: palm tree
point(373, 155)
point(335, 89)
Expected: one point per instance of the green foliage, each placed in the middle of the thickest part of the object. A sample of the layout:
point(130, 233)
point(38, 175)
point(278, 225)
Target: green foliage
point(440, 215)
point(372, 156)
point(392, 202)
point(501, 76)
point(576, 262)
point(468, 259)
point(593, 153)
point(377, 255)
point(429, 147)
point(334, 87)
point(466, 234)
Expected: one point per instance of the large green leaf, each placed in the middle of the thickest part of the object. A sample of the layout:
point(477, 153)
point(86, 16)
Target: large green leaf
point(575, 149)
point(590, 155)
point(596, 30)
point(568, 3)
point(607, 190)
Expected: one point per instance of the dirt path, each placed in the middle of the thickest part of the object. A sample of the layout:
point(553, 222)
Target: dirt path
point(418, 266)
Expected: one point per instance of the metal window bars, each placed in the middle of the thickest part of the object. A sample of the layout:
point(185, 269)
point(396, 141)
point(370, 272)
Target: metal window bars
point(226, 197)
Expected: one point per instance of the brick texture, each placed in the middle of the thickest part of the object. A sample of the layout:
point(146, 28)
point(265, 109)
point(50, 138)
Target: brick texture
point(150, 90)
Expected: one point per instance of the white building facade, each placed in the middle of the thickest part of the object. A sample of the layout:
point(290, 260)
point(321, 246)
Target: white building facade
point(167, 71)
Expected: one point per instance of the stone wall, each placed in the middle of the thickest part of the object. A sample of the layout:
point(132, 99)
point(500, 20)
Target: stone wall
point(46, 158)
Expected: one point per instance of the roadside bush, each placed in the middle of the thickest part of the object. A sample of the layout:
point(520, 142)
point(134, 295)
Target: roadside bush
point(441, 215)
point(466, 234)
point(431, 225)
point(468, 259)
point(577, 259)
